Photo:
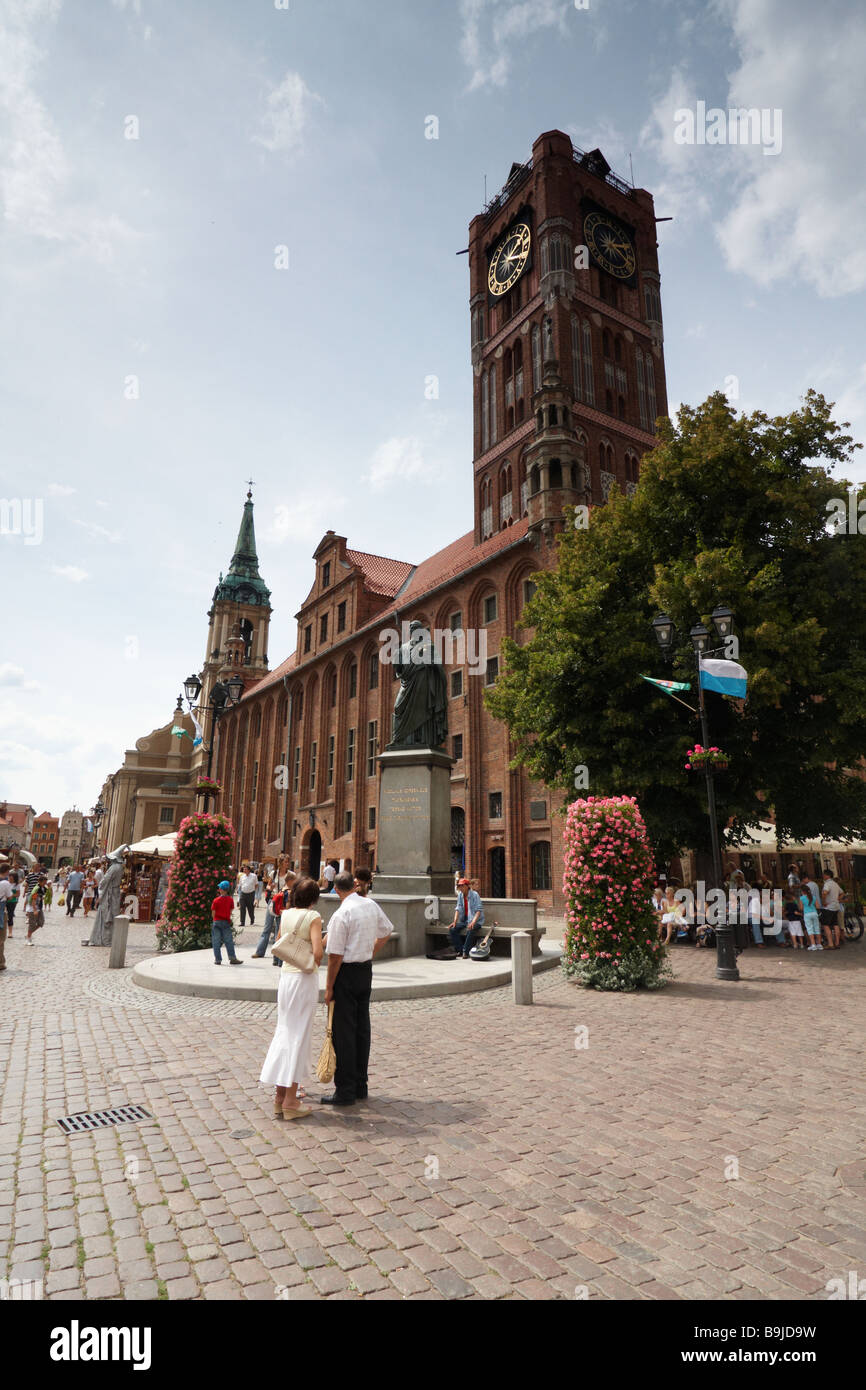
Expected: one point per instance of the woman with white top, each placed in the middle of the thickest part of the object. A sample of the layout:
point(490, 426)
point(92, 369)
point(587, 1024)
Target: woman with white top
point(289, 1059)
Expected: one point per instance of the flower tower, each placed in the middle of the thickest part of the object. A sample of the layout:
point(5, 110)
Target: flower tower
point(612, 939)
point(202, 855)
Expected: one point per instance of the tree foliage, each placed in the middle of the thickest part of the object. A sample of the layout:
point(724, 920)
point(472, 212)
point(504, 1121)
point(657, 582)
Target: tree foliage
point(728, 509)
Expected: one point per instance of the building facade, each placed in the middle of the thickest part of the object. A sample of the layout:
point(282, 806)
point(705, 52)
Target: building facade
point(153, 789)
point(44, 839)
point(16, 825)
point(566, 351)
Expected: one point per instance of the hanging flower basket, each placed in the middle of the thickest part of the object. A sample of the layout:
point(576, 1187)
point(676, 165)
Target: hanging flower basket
point(698, 758)
point(208, 784)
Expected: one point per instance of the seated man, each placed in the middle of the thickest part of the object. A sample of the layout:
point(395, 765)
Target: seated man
point(468, 919)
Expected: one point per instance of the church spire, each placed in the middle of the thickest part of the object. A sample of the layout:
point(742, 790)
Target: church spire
point(243, 583)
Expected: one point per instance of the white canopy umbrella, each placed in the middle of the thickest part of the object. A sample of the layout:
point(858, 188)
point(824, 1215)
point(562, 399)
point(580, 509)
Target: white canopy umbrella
point(163, 845)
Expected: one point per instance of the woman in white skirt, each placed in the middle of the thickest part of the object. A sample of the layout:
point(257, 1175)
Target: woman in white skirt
point(289, 1059)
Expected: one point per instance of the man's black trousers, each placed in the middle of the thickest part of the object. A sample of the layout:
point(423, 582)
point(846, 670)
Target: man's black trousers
point(352, 1028)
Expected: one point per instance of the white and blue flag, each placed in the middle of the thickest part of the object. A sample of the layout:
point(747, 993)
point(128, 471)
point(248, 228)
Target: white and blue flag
point(725, 677)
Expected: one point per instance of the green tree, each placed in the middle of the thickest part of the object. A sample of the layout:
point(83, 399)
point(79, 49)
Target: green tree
point(728, 508)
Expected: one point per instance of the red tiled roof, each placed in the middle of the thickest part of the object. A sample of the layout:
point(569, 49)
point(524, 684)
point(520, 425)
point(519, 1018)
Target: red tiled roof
point(381, 575)
point(456, 558)
point(273, 676)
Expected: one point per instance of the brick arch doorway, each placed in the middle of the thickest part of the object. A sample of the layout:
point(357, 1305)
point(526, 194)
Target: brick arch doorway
point(311, 855)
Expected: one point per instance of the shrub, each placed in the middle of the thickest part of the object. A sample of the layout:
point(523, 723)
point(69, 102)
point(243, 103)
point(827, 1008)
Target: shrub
point(612, 939)
point(203, 852)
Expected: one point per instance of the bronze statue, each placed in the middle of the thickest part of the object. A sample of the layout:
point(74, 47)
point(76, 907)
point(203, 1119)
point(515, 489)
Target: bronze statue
point(421, 708)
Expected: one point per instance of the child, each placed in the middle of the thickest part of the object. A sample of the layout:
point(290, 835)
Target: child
point(221, 925)
point(811, 920)
point(791, 913)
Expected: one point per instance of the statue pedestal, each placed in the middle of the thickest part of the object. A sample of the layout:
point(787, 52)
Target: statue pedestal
point(413, 842)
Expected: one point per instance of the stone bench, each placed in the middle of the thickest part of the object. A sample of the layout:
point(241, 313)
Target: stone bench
point(414, 933)
point(497, 914)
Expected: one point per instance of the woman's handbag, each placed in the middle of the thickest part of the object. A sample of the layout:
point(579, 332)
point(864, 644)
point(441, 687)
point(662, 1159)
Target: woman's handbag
point(295, 950)
point(327, 1063)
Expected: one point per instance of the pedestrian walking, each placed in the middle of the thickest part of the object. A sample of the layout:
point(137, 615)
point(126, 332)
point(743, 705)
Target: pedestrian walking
point(5, 895)
point(221, 925)
point(12, 902)
point(247, 895)
point(289, 1059)
point(34, 909)
point(74, 886)
point(276, 902)
point(356, 933)
point(89, 892)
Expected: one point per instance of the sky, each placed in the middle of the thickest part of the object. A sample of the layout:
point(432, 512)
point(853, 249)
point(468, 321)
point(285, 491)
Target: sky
point(228, 252)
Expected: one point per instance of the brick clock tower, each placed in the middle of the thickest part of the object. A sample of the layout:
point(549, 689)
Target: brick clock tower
point(566, 338)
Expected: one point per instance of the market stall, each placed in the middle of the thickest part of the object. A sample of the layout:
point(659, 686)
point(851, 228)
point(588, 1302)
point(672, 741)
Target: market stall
point(146, 877)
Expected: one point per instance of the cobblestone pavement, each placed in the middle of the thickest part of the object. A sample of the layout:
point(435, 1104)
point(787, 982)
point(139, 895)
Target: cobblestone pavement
point(707, 1142)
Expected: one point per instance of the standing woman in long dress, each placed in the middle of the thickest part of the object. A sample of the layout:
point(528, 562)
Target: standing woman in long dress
point(289, 1059)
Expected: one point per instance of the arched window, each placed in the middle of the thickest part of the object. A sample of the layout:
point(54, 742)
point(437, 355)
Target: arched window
point(486, 510)
point(485, 413)
point(641, 388)
point(555, 473)
point(651, 392)
point(588, 382)
point(505, 497)
point(493, 420)
point(539, 865)
point(576, 362)
point(536, 357)
point(605, 343)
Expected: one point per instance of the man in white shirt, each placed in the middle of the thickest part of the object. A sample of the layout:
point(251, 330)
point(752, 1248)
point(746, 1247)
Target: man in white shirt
point(834, 913)
point(6, 891)
point(247, 894)
point(356, 933)
point(329, 873)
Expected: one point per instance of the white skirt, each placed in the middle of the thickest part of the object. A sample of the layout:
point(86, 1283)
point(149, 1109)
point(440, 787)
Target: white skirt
point(289, 1058)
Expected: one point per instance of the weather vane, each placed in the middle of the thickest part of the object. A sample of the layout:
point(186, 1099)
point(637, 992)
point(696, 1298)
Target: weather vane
point(250, 485)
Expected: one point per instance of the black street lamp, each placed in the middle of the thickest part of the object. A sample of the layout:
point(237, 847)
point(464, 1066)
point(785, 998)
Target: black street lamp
point(223, 696)
point(726, 960)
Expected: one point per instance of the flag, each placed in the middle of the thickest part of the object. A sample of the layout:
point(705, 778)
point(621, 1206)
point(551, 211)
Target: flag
point(180, 733)
point(197, 741)
point(725, 677)
point(668, 686)
point(88, 825)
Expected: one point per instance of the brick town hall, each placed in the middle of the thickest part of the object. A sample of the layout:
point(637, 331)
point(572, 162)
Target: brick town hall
point(568, 381)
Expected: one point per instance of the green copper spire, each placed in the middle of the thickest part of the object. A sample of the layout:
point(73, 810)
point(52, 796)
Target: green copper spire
point(243, 583)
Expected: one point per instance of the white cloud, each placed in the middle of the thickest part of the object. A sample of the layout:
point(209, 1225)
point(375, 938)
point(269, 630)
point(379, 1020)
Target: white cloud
point(37, 184)
point(287, 114)
point(15, 676)
point(492, 27)
point(99, 532)
point(397, 460)
point(799, 215)
point(303, 519)
point(70, 572)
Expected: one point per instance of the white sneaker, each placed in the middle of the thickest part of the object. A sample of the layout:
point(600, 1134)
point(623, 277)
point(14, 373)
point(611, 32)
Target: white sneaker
point(819, 948)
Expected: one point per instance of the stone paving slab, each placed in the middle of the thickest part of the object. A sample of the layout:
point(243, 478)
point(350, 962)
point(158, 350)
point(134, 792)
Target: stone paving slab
point(414, 977)
point(707, 1143)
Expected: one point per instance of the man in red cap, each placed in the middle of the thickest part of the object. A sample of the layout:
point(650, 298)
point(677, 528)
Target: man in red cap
point(468, 918)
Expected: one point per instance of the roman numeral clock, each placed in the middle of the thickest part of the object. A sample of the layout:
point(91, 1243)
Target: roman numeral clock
point(509, 260)
point(610, 244)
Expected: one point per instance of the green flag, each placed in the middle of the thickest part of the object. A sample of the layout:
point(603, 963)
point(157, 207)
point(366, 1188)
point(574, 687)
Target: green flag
point(668, 686)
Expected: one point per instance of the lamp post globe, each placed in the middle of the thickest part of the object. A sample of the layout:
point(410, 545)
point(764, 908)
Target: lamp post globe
point(664, 631)
point(192, 688)
point(235, 688)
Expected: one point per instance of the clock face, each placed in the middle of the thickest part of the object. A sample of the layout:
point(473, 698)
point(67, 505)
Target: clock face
point(509, 259)
point(610, 245)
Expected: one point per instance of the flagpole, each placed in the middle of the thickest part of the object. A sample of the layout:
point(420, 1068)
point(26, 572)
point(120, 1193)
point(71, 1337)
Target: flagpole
point(726, 960)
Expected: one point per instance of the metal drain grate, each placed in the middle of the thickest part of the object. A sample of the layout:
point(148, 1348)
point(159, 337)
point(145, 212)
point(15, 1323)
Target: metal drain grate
point(103, 1119)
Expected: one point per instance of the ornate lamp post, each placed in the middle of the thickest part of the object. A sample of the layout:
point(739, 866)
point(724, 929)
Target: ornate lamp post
point(223, 696)
point(726, 960)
